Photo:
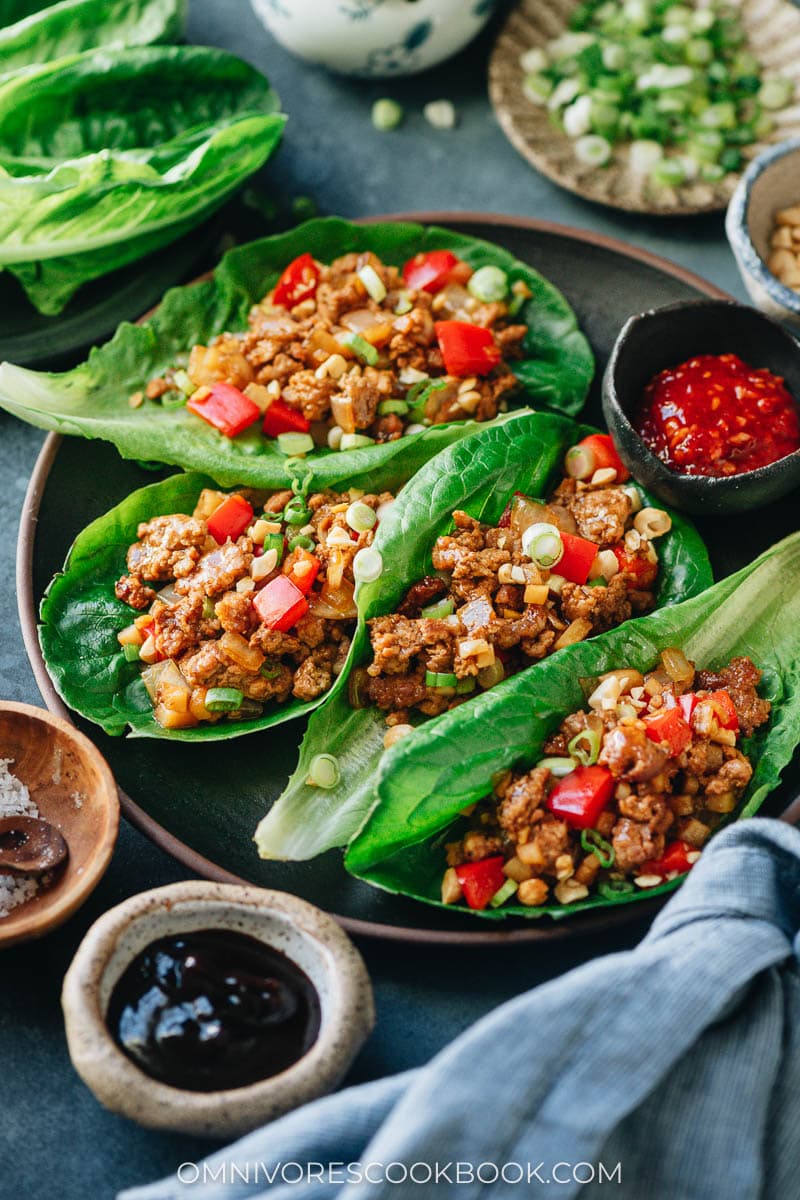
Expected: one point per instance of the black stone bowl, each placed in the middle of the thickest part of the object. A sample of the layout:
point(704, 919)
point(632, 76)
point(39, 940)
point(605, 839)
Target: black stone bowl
point(666, 337)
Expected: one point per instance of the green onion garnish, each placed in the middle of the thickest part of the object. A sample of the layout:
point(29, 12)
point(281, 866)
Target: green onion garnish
point(355, 441)
point(614, 888)
point(274, 541)
point(323, 771)
point(295, 513)
point(504, 893)
point(488, 284)
point(438, 611)
point(403, 304)
point(585, 746)
point(131, 652)
point(367, 565)
point(360, 517)
point(542, 544)
point(558, 766)
point(302, 542)
point(224, 699)
point(392, 406)
point(440, 679)
point(387, 114)
point(270, 670)
point(209, 612)
point(292, 444)
point(465, 686)
point(373, 283)
point(593, 843)
point(362, 349)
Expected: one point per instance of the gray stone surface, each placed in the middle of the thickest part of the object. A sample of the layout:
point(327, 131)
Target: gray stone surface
point(57, 1141)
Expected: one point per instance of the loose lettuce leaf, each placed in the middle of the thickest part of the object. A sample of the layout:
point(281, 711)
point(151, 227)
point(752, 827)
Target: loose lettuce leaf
point(41, 33)
point(424, 782)
point(92, 400)
point(477, 475)
point(109, 155)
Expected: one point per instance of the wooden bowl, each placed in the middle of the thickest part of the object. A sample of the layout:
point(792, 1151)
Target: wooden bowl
point(72, 786)
point(772, 28)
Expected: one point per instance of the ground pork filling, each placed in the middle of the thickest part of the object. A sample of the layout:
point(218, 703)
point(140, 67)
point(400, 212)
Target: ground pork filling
point(254, 601)
point(628, 792)
point(351, 348)
point(492, 607)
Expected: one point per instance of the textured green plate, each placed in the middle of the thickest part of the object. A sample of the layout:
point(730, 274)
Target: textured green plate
point(202, 802)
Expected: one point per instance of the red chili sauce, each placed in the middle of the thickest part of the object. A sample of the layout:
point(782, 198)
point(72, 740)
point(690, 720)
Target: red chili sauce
point(716, 415)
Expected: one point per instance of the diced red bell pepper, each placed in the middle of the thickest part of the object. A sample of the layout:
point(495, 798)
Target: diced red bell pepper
point(151, 630)
point(605, 454)
point(674, 858)
point(481, 880)
point(302, 568)
point(581, 796)
point(639, 566)
point(230, 519)
point(225, 407)
point(282, 418)
point(725, 710)
point(576, 562)
point(467, 349)
point(668, 728)
point(280, 604)
point(297, 283)
point(429, 272)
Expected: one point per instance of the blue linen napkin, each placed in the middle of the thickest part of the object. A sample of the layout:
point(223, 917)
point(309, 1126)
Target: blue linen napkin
point(675, 1066)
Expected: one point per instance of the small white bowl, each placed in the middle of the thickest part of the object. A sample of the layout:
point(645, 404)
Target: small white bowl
point(374, 38)
point(772, 181)
point(302, 932)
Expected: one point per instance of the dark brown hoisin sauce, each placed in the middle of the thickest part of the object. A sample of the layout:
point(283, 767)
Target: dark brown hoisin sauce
point(213, 1009)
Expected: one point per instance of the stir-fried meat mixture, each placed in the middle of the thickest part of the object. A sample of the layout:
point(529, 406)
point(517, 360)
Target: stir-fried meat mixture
point(254, 601)
point(504, 596)
point(627, 795)
point(357, 350)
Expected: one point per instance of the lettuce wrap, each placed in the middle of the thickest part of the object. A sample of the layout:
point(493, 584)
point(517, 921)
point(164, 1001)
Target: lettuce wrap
point(478, 475)
point(92, 400)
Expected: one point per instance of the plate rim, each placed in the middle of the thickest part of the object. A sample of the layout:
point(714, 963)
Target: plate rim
point(573, 927)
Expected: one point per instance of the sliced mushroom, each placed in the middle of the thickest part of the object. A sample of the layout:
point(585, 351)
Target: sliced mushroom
point(30, 846)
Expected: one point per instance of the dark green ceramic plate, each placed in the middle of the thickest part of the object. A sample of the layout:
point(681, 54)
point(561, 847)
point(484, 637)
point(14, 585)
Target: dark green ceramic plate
point(202, 802)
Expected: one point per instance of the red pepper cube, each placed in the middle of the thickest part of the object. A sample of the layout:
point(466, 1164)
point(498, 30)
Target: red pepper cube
point(725, 710)
point(224, 407)
point(302, 568)
point(581, 796)
point(151, 630)
point(605, 454)
point(467, 349)
point(297, 283)
point(429, 272)
point(576, 561)
point(280, 604)
point(669, 728)
point(481, 880)
point(282, 418)
point(230, 519)
point(675, 858)
point(638, 565)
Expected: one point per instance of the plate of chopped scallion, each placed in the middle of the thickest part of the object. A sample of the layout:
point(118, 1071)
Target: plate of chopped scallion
point(648, 105)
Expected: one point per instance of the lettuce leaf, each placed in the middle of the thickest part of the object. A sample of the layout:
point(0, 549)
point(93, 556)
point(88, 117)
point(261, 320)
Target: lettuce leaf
point(424, 782)
point(41, 33)
point(109, 155)
point(477, 475)
point(92, 400)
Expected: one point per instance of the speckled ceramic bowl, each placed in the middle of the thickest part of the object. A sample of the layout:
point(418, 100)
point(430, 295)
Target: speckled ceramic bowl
point(665, 337)
point(772, 181)
point(302, 932)
point(374, 38)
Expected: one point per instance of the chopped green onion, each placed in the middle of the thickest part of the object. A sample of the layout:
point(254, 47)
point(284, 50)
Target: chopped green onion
point(373, 283)
point(711, 172)
point(367, 565)
point(130, 652)
point(355, 441)
point(360, 517)
point(182, 381)
point(644, 153)
point(593, 150)
point(542, 543)
point(504, 893)
point(413, 428)
point(489, 676)
point(362, 349)
point(274, 541)
point(223, 699)
point(558, 766)
point(488, 284)
point(209, 612)
point(465, 686)
point(669, 172)
point(387, 114)
point(776, 93)
point(323, 771)
point(537, 88)
point(593, 843)
point(699, 51)
point(335, 437)
point(270, 670)
point(614, 888)
point(295, 513)
point(438, 611)
point(533, 60)
point(579, 462)
point(585, 746)
point(392, 406)
point(577, 117)
point(173, 399)
point(302, 542)
point(403, 305)
point(295, 443)
point(440, 679)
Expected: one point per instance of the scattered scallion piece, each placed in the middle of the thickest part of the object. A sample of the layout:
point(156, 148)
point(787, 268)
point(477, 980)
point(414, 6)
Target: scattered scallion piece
point(387, 114)
point(224, 699)
point(362, 349)
point(302, 542)
point(360, 517)
point(323, 771)
point(373, 283)
point(392, 406)
point(488, 284)
point(593, 843)
point(585, 746)
point(355, 441)
point(274, 541)
point(367, 565)
point(131, 653)
point(504, 893)
point(441, 679)
point(558, 766)
point(295, 513)
point(438, 611)
point(292, 444)
point(542, 544)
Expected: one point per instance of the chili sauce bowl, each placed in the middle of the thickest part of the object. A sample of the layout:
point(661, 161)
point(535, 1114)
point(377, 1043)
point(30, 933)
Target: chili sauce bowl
point(72, 787)
point(304, 934)
point(771, 182)
point(666, 337)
